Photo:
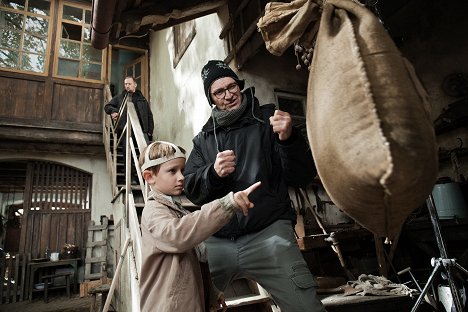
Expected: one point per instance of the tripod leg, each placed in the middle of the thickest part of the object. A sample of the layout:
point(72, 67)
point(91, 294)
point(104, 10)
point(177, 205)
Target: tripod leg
point(461, 268)
point(426, 287)
point(453, 288)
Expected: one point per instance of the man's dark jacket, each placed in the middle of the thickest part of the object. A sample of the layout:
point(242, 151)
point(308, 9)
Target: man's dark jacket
point(260, 156)
point(142, 108)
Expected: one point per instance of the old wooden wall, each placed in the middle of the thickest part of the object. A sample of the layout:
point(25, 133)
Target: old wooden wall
point(45, 109)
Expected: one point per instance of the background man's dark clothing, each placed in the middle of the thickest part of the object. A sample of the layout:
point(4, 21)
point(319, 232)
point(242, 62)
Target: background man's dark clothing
point(142, 108)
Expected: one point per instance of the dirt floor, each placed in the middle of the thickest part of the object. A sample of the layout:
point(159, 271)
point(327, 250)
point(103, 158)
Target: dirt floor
point(57, 303)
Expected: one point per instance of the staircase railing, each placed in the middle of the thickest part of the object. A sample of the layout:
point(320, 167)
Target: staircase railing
point(135, 140)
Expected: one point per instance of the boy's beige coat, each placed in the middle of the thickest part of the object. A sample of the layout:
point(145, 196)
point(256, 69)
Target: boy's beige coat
point(170, 277)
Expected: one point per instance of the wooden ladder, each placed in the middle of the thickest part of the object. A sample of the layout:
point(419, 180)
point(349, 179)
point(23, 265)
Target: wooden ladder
point(96, 249)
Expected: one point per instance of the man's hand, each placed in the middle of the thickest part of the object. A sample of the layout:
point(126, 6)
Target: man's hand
point(282, 124)
point(242, 198)
point(114, 116)
point(225, 163)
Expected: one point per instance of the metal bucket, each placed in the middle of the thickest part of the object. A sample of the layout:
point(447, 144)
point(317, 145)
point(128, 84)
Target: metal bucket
point(449, 201)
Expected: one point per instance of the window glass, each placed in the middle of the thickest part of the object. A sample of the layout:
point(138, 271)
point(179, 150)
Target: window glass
point(41, 7)
point(8, 59)
point(68, 68)
point(92, 54)
point(37, 25)
point(69, 49)
point(88, 17)
point(17, 5)
point(92, 71)
point(76, 57)
point(11, 20)
point(33, 62)
point(87, 34)
point(34, 44)
point(10, 38)
point(72, 14)
point(24, 34)
point(71, 31)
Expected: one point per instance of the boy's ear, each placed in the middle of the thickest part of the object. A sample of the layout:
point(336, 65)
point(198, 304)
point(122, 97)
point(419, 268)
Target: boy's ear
point(148, 176)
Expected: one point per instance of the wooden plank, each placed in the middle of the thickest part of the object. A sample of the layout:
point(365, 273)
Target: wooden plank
point(88, 285)
point(89, 250)
point(96, 227)
point(95, 259)
point(24, 276)
point(93, 276)
point(246, 300)
point(99, 246)
point(25, 260)
point(96, 243)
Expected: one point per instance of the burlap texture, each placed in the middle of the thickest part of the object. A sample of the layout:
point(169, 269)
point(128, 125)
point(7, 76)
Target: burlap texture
point(368, 118)
point(368, 121)
point(285, 23)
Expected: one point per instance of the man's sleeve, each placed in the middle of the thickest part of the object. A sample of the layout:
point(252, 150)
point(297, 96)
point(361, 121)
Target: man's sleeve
point(112, 106)
point(201, 183)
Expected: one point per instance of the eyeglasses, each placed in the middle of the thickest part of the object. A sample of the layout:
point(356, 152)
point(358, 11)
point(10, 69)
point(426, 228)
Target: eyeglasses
point(221, 93)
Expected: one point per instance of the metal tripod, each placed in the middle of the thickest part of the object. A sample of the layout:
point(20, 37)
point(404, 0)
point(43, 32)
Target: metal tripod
point(441, 263)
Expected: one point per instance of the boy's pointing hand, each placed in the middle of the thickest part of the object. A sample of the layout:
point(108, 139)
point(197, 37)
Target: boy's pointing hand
point(242, 198)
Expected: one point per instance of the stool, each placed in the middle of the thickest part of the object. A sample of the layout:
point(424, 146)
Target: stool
point(50, 278)
point(101, 289)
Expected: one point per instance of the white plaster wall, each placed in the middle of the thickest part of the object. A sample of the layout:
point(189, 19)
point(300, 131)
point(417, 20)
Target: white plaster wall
point(96, 166)
point(179, 105)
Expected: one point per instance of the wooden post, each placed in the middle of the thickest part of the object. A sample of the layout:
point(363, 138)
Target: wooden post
point(116, 277)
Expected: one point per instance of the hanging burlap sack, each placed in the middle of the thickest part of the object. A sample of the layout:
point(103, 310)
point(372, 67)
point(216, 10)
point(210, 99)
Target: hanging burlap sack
point(368, 121)
point(285, 23)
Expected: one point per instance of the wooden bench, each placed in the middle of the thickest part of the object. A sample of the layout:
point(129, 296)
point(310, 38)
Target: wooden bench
point(103, 290)
point(50, 279)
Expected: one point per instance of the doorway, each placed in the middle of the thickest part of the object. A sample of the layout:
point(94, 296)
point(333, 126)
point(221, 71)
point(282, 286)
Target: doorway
point(44, 205)
point(126, 62)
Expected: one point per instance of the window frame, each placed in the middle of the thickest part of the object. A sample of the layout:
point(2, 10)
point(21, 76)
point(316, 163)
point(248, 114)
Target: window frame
point(58, 39)
point(299, 98)
point(47, 53)
point(299, 121)
point(183, 35)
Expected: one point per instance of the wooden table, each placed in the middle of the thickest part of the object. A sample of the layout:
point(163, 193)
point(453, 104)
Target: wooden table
point(38, 266)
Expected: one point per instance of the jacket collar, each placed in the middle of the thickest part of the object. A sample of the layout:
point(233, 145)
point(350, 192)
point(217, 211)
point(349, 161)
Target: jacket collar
point(248, 116)
point(166, 201)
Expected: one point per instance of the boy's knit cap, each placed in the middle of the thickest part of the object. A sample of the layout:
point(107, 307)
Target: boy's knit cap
point(214, 70)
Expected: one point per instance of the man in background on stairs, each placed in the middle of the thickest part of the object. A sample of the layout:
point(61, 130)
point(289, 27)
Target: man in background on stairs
point(142, 107)
point(241, 143)
point(174, 275)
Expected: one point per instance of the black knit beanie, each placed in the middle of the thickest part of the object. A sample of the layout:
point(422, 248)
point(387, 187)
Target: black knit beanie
point(215, 69)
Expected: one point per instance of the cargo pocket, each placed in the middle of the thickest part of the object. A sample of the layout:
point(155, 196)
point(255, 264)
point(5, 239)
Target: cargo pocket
point(301, 276)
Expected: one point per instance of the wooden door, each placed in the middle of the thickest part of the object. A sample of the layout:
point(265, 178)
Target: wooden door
point(138, 69)
point(56, 208)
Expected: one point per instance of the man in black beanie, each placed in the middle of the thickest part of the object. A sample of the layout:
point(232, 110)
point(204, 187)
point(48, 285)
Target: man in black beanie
point(242, 143)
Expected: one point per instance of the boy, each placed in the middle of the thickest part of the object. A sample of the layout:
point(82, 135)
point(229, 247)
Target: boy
point(174, 267)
